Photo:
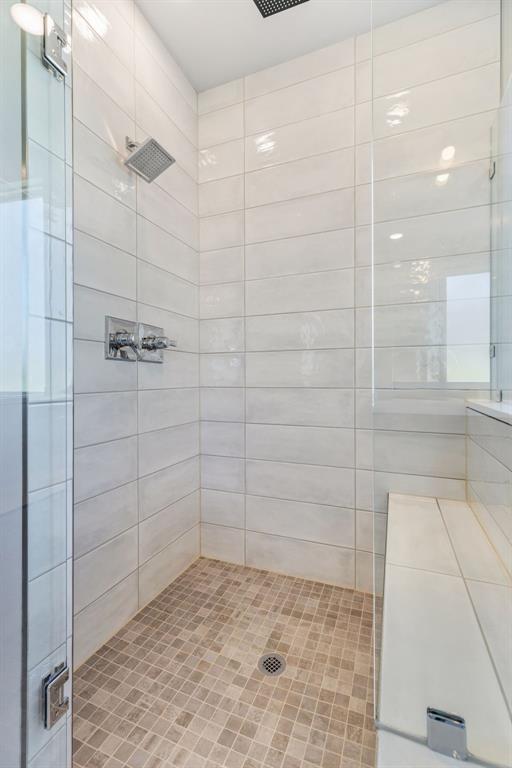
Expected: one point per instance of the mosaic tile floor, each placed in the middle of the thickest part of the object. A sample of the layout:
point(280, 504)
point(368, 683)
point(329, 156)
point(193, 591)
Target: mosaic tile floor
point(179, 684)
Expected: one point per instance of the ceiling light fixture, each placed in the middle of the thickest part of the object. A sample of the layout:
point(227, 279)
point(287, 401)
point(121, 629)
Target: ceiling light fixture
point(396, 236)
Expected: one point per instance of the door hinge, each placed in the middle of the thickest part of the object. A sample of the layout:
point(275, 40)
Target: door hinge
point(55, 703)
point(53, 44)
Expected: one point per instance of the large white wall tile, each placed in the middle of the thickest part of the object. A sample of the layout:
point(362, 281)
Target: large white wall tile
point(458, 50)
point(222, 543)
point(220, 96)
point(306, 138)
point(223, 508)
point(222, 404)
point(98, 163)
point(100, 468)
point(299, 178)
point(102, 267)
point(221, 161)
point(164, 447)
point(315, 407)
point(327, 446)
point(305, 330)
point(296, 70)
point(298, 520)
point(168, 485)
point(162, 569)
point(95, 624)
point(222, 125)
point(103, 517)
point(301, 482)
point(103, 217)
point(296, 255)
point(300, 293)
point(330, 210)
point(317, 96)
point(313, 368)
point(334, 565)
point(99, 570)
point(104, 416)
point(159, 530)
point(167, 408)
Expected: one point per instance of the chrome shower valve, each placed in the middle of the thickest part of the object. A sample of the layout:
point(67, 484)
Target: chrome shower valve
point(152, 342)
point(130, 341)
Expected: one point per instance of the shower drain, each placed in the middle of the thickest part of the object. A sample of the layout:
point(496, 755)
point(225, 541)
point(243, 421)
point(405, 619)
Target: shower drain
point(272, 664)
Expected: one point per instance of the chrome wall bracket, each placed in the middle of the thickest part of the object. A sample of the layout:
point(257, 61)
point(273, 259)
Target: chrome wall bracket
point(53, 44)
point(129, 341)
point(55, 704)
point(446, 733)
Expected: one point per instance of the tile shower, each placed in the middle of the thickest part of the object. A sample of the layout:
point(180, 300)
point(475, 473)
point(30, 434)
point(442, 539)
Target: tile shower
point(330, 252)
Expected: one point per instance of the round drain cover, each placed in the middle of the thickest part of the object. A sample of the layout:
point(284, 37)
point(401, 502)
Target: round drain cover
point(272, 664)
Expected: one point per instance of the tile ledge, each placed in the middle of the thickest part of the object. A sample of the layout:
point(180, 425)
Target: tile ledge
point(500, 411)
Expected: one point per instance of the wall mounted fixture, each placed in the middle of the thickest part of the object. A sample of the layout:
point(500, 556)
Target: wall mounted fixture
point(128, 341)
point(54, 43)
point(54, 40)
point(152, 343)
point(148, 159)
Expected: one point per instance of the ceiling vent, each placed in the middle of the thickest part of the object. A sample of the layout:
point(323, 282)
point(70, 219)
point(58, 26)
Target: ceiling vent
point(269, 7)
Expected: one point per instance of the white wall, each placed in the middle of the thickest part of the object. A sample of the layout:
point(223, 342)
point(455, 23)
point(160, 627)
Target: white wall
point(286, 324)
point(277, 320)
point(136, 425)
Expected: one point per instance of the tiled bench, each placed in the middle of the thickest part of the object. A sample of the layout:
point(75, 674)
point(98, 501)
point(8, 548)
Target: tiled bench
point(442, 645)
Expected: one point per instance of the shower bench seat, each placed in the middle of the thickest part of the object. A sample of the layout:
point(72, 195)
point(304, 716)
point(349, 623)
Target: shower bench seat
point(441, 647)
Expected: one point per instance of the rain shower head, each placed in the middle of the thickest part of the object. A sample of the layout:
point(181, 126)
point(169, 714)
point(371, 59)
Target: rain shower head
point(269, 7)
point(148, 159)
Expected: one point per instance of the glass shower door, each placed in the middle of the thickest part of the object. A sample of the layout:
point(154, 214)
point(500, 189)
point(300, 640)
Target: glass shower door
point(35, 392)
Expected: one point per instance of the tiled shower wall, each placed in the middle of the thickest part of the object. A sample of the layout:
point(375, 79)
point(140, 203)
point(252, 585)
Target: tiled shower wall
point(136, 424)
point(277, 320)
point(285, 308)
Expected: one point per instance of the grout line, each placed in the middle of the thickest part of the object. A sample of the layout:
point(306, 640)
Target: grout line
point(244, 306)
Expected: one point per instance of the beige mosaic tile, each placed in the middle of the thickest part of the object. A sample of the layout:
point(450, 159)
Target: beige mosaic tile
point(179, 684)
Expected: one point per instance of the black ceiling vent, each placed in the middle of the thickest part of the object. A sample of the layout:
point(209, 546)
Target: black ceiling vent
point(269, 7)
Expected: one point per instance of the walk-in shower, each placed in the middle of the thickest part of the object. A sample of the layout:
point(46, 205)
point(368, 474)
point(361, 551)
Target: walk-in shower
point(255, 480)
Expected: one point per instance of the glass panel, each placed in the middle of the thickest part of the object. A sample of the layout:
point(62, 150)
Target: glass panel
point(501, 235)
point(36, 365)
point(436, 91)
point(11, 394)
point(49, 387)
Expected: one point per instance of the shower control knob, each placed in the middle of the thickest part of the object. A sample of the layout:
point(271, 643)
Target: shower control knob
point(122, 339)
point(156, 342)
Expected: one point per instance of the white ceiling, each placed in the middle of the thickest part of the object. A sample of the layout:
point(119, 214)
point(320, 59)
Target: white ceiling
point(215, 41)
